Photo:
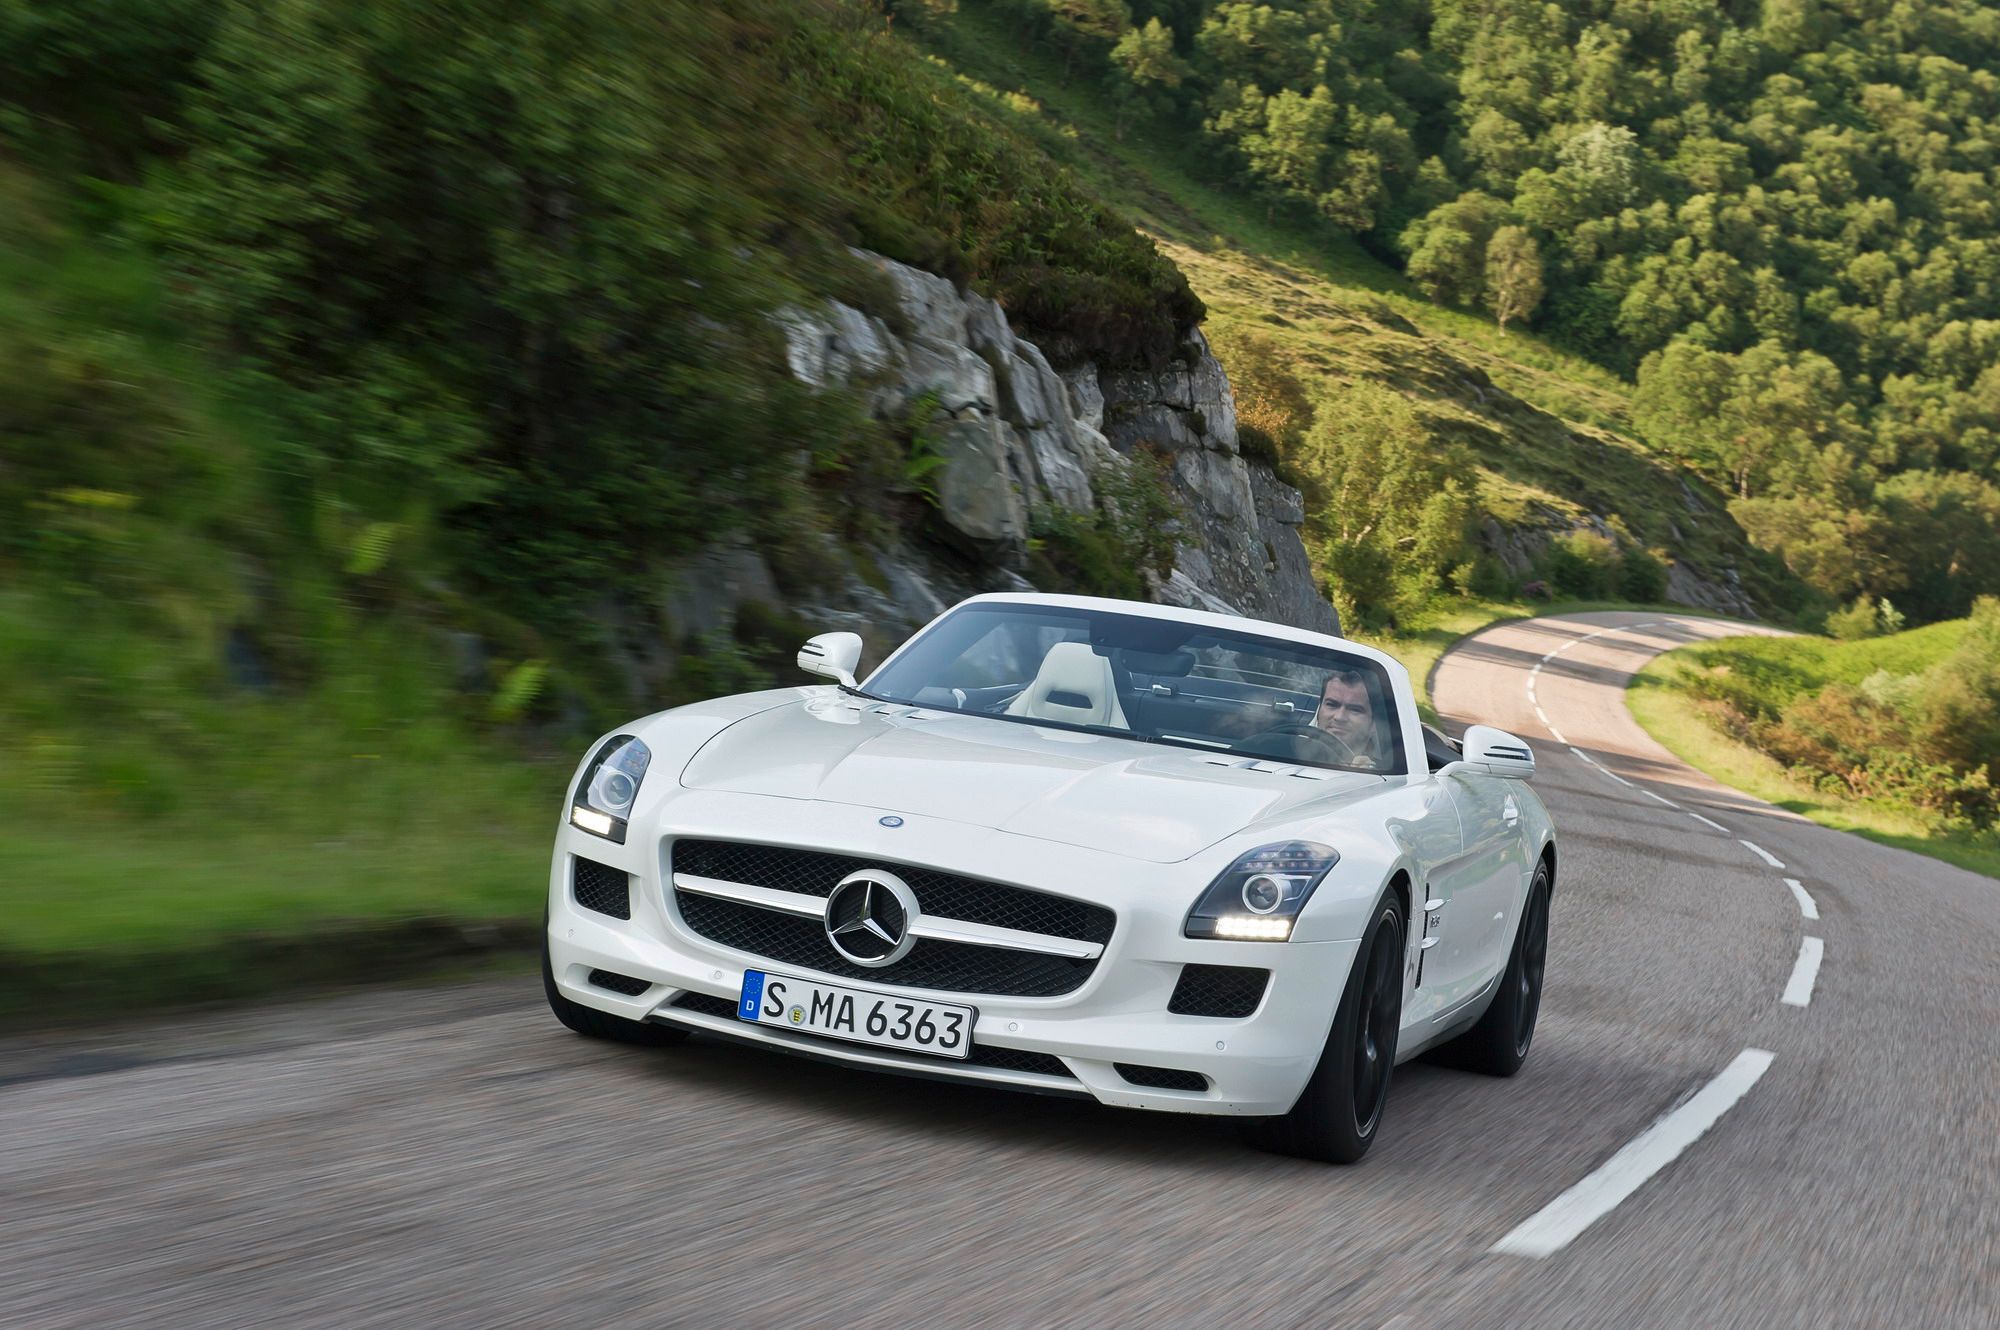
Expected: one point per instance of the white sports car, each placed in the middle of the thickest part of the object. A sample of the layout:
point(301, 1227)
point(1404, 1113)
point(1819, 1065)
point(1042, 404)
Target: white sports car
point(1161, 858)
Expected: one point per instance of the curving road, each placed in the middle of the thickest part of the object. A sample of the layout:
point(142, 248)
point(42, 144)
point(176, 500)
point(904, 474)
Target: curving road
point(1711, 1132)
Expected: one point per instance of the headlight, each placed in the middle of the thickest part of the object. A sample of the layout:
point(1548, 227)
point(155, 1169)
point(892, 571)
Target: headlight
point(1257, 897)
point(603, 800)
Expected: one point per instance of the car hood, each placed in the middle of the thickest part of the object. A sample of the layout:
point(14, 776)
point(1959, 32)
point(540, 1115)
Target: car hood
point(1145, 801)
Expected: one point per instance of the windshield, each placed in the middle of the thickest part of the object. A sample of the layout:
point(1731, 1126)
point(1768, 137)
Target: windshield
point(1153, 679)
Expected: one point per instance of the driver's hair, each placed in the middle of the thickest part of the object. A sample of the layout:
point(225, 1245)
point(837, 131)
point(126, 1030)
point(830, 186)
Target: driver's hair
point(1345, 677)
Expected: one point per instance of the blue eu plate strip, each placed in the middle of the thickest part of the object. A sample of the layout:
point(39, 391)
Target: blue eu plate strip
point(753, 994)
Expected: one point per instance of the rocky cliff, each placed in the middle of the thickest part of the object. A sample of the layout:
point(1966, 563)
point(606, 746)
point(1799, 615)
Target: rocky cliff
point(1016, 434)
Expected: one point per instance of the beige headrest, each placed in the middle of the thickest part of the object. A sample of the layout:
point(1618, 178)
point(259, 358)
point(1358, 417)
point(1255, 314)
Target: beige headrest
point(1074, 684)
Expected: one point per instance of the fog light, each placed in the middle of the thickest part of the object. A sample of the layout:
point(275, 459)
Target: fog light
point(590, 819)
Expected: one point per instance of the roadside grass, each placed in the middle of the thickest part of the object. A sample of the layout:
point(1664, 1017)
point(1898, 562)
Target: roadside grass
point(1683, 724)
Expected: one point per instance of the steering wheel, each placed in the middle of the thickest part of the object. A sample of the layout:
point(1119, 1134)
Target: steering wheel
point(1336, 748)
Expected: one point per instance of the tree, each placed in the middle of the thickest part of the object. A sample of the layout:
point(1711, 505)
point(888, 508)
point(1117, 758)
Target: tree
point(1392, 502)
point(1448, 247)
point(1292, 146)
point(1081, 26)
point(1513, 275)
point(1143, 61)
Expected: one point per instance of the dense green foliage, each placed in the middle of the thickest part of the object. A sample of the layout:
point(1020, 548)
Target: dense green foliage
point(1910, 719)
point(367, 373)
point(500, 279)
point(1779, 217)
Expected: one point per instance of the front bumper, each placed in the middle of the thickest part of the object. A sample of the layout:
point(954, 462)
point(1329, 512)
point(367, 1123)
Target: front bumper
point(1254, 1065)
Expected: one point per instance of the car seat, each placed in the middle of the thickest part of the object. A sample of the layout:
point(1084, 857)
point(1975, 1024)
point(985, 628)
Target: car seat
point(1074, 685)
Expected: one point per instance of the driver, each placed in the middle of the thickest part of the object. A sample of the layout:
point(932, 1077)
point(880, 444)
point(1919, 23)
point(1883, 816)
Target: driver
point(1346, 713)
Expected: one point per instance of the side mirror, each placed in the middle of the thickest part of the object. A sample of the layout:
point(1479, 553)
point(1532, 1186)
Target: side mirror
point(1494, 752)
point(832, 656)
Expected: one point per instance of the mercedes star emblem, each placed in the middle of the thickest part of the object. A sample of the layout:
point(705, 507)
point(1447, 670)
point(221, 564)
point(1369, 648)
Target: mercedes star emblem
point(871, 918)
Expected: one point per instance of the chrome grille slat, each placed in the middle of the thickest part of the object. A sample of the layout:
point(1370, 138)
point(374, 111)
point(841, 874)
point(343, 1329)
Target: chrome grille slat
point(969, 934)
point(931, 926)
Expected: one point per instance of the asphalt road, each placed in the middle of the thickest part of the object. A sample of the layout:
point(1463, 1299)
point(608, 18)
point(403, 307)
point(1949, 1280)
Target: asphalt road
point(450, 1156)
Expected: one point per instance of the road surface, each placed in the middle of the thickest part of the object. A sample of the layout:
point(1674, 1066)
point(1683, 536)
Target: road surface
point(1714, 1129)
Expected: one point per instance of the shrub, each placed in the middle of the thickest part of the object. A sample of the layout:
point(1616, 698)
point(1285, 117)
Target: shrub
point(1107, 551)
point(1583, 565)
point(1643, 578)
point(1855, 622)
point(1483, 576)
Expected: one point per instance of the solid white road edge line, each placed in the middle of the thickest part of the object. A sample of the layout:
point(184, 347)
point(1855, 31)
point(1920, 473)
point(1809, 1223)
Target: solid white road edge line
point(1762, 853)
point(1807, 906)
point(1800, 990)
point(1706, 822)
point(1558, 1223)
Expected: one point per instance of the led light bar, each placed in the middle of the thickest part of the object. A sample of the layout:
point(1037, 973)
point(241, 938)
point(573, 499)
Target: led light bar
point(591, 820)
point(1249, 928)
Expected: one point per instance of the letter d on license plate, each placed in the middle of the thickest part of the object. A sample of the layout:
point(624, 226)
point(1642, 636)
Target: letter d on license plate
point(833, 1012)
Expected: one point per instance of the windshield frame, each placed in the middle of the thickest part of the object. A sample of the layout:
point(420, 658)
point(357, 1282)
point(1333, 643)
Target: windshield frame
point(1398, 766)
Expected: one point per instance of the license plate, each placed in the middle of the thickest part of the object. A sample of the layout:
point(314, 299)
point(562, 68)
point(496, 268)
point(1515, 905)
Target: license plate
point(937, 1028)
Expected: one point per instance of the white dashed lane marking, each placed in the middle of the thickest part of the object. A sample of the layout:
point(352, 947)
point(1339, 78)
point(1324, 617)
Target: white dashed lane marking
point(1800, 990)
point(1762, 853)
point(1556, 1224)
point(1561, 1220)
point(1807, 906)
point(1602, 769)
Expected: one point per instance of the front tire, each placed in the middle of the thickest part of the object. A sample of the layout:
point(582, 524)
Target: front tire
point(1499, 1043)
point(595, 1024)
point(1340, 1110)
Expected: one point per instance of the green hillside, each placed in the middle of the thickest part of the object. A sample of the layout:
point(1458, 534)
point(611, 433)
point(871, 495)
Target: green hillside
point(1772, 224)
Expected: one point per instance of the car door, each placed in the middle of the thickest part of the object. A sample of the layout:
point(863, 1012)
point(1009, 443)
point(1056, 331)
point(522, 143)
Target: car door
point(1482, 888)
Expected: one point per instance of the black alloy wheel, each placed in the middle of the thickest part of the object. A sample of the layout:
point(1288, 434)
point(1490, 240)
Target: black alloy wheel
point(1379, 1018)
point(1499, 1043)
point(1527, 975)
point(1340, 1110)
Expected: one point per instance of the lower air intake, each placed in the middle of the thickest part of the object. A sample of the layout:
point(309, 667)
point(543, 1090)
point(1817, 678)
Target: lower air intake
point(601, 887)
point(1162, 1078)
point(620, 983)
point(1218, 990)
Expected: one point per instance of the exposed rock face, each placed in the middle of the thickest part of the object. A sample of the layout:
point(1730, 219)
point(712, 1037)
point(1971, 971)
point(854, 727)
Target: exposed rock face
point(1018, 436)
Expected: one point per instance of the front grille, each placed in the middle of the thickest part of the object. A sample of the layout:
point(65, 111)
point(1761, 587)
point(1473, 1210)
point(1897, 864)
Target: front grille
point(1162, 1078)
point(1000, 1059)
point(601, 887)
point(620, 983)
point(946, 895)
point(951, 967)
point(1218, 990)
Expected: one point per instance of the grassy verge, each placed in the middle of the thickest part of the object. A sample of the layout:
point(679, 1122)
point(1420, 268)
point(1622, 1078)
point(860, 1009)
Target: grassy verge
point(1683, 725)
point(107, 915)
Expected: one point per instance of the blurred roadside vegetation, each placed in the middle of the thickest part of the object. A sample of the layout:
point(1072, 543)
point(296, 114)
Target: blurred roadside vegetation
point(364, 371)
point(1896, 736)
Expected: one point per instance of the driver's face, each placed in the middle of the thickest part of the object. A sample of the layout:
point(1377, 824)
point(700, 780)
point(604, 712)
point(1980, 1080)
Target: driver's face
point(1344, 713)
